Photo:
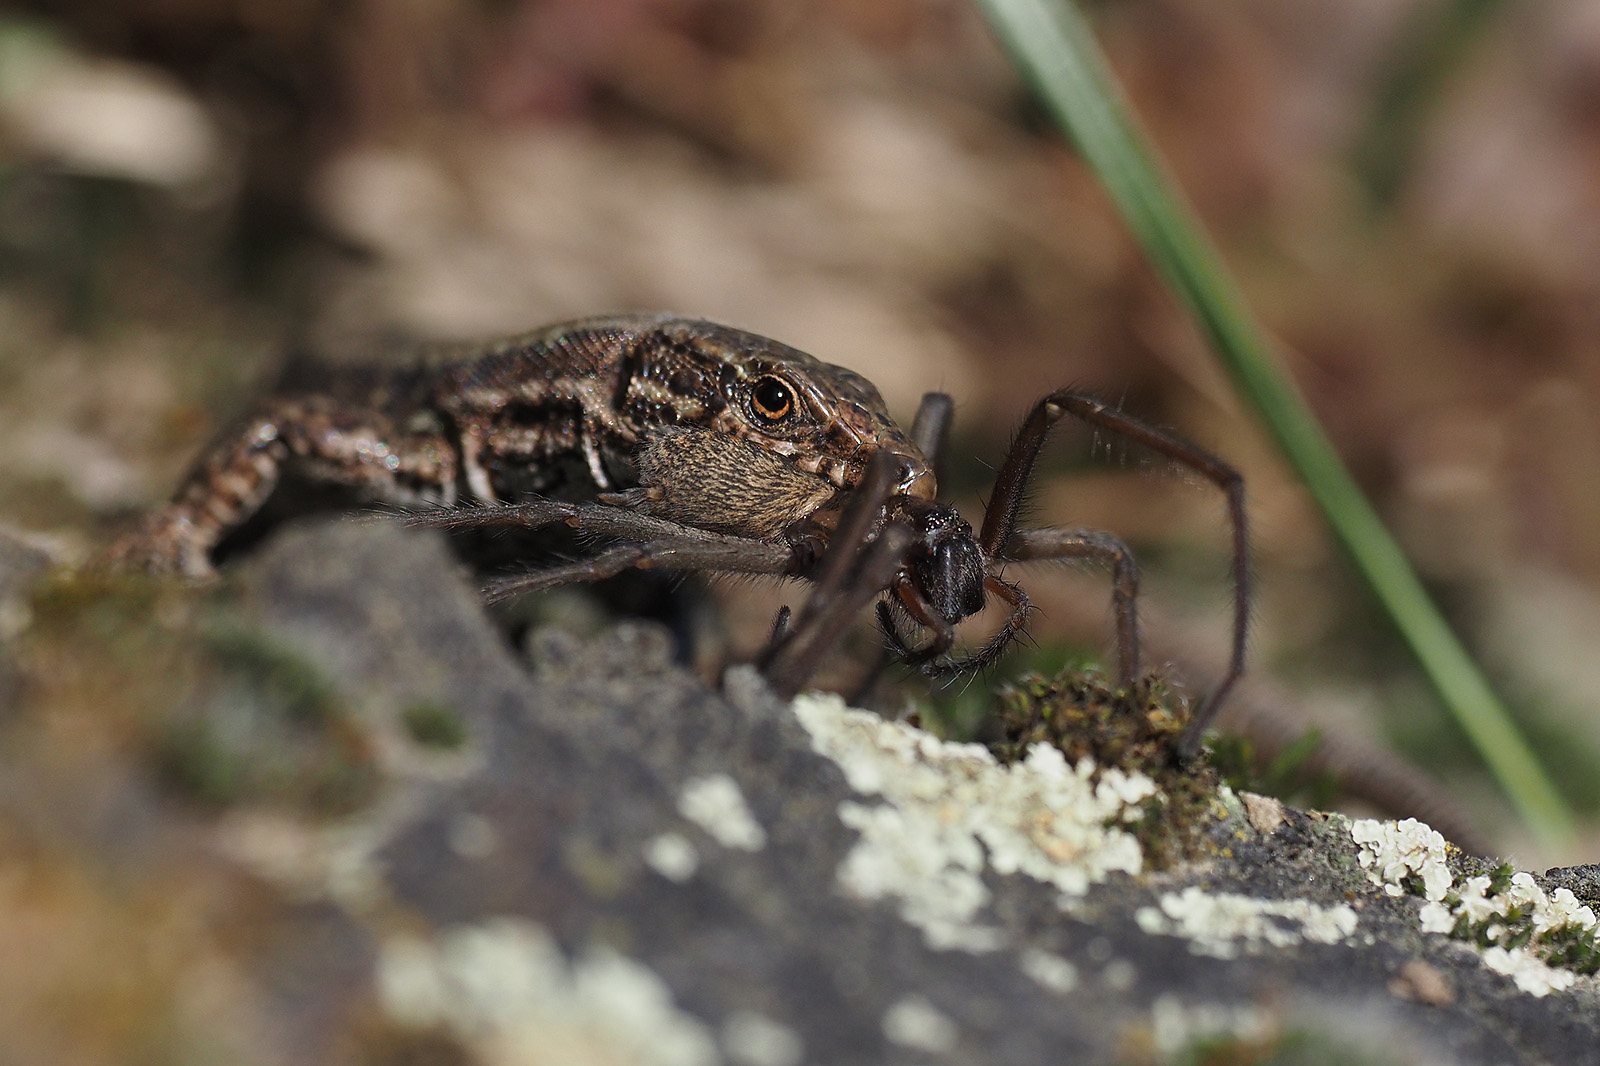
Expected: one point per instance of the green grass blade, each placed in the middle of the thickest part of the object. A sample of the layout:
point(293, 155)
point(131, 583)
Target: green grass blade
point(1053, 46)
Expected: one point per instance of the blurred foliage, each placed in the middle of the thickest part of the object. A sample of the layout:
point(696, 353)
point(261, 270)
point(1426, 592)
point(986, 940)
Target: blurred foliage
point(1285, 775)
point(1432, 50)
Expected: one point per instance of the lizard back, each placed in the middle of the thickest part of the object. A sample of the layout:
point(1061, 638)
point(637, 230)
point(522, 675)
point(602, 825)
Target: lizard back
point(577, 407)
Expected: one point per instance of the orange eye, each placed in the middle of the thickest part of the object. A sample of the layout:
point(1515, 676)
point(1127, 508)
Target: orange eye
point(772, 400)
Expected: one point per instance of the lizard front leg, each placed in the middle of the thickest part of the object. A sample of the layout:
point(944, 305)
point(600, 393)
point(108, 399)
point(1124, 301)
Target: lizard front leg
point(343, 445)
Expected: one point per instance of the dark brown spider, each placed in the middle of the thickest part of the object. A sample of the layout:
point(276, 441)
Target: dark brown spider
point(881, 540)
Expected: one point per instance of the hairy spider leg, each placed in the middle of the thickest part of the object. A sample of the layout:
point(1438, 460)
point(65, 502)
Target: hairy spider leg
point(930, 430)
point(698, 552)
point(861, 560)
point(916, 605)
point(656, 544)
point(999, 522)
point(803, 649)
point(1092, 544)
point(923, 614)
point(780, 625)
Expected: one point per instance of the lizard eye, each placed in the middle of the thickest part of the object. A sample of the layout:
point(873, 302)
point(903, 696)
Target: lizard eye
point(771, 400)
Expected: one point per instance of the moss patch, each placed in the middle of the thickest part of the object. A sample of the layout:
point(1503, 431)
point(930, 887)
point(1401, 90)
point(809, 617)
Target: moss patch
point(221, 712)
point(1135, 729)
point(433, 725)
point(265, 726)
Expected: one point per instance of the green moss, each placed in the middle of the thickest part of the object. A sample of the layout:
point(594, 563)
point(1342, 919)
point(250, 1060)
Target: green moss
point(233, 747)
point(1292, 1048)
point(282, 679)
point(110, 613)
point(220, 711)
point(1078, 713)
point(435, 725)
point(1571, 947)
point(193, 761)
point(1135, 729)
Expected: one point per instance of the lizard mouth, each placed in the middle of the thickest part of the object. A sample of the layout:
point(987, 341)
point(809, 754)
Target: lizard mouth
point(836, 471)
point(915, 479)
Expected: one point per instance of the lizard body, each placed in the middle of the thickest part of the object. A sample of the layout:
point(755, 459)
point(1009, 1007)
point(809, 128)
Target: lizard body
point(711, 426)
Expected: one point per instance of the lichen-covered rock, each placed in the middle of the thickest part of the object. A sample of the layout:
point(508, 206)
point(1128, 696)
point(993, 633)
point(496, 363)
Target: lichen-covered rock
point(327, 813)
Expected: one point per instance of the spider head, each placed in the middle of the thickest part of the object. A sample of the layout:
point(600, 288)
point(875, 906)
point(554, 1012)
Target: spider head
point(948, 565)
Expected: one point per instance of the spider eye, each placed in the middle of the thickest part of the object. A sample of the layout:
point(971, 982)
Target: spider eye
point(772, 400)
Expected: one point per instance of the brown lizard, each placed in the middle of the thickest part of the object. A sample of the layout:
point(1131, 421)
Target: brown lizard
point(722, 430)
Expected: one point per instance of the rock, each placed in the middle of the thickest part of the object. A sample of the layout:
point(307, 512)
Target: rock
point(585, 855)
point(22, 564)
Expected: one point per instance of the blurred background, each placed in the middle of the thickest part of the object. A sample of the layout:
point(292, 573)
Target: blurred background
point(1408, 190)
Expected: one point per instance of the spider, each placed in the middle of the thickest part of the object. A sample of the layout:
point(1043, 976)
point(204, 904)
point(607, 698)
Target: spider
point(887, 538)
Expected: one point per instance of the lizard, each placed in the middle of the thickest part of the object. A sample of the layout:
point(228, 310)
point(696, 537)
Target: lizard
point(754, 438)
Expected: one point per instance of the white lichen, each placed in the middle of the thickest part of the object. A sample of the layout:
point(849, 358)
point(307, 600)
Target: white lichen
point(1119, 975)
point(715, 804)
point(1392, 851)
point(950, 811)
point(1563, 909)
point(914, 1022)
point(752, 1039)
point(1524, 928)
point(506, 991)
point(1050, 970)
point(672, 856)
point(1222, 924)
point(1530, 972)
point(934, 870)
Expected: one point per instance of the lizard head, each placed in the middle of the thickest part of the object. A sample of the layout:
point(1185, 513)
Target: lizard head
point(822, 419)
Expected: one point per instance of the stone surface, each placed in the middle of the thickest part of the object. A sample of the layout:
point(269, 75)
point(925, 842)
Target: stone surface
point(22, 564)
point(328, 813)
